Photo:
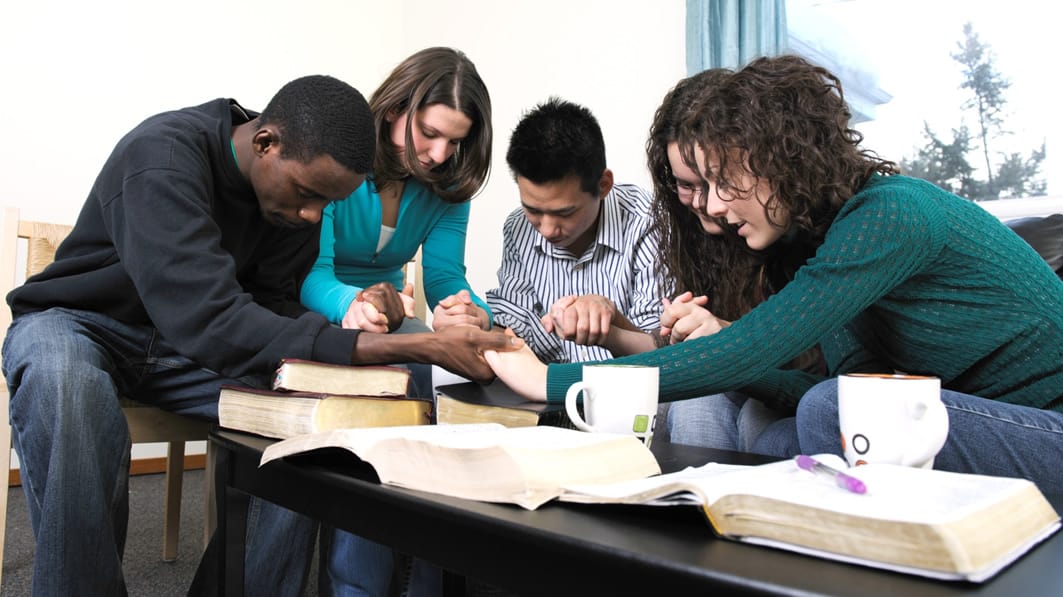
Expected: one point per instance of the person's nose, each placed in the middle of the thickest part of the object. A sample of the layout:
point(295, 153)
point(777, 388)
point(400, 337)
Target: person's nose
point(550, 226)
point(697, 198)
point(439, 151)
point(311, 213)
point(714, 204)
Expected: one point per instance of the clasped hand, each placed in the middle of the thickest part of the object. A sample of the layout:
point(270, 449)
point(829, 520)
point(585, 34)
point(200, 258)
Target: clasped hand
point(459, 309)
point(686, 318)
point(583, 319)
point(379, 308)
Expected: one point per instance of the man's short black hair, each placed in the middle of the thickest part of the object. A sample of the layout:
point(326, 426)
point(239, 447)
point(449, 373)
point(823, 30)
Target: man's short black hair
point(321, 115)
point(556, 140)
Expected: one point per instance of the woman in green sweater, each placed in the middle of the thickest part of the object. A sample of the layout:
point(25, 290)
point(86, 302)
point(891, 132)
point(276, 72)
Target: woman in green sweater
point(903, 276)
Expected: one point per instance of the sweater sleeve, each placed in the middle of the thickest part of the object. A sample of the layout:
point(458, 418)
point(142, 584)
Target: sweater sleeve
point(877, 242)
point(168, 245)
point(443, 257)
point(322, 291)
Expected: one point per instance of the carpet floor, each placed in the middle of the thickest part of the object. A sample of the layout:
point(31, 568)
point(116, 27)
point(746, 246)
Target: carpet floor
point(146, 574)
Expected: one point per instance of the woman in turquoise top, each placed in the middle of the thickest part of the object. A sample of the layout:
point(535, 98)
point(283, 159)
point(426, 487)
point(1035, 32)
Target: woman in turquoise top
point(902, 276)
point(433, 119)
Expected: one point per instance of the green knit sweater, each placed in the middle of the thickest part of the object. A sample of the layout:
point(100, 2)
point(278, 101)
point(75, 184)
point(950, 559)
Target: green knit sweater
point(909, 278)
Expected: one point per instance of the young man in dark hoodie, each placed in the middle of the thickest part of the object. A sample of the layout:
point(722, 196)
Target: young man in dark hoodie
point(182, 274)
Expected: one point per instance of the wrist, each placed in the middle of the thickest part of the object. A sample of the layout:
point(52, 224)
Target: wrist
point(379, 349)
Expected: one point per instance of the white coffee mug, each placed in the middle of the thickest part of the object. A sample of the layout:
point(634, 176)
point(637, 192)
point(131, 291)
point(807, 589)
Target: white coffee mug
point(895, 419)
point(616, 399)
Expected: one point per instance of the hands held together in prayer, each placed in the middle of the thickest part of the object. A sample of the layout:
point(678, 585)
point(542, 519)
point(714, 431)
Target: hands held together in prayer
point(375, 310)
point(379, 308)
point(590, 319)
point(685, 318)
point(459, 309)
point(585, 319)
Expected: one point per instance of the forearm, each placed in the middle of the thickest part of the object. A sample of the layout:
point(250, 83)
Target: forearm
point(378, 349)
point(622, 342)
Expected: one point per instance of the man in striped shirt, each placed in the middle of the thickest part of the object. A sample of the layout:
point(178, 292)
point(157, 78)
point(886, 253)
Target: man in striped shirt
point(578, 260)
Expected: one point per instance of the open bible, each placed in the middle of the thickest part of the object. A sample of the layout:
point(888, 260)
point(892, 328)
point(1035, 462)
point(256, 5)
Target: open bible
point(931, 523)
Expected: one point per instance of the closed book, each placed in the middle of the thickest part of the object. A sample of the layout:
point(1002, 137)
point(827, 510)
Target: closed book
point(327, 378)
point(282, 414)
point(471, 402)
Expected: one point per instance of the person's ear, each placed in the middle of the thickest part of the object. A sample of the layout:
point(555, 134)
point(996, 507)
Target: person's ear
point(263, 140)
point(605, 183)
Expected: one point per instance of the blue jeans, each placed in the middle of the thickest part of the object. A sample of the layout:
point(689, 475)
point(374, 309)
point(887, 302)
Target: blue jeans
point(65, 370)
point(985, 436)
point(354, 566)
point(358, 567)
point(731, 421)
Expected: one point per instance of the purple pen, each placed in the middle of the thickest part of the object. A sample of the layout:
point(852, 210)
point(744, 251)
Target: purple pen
point(841, 479)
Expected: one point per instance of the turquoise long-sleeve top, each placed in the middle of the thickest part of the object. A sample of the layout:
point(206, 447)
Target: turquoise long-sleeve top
point(348, 259)
point(909, 278)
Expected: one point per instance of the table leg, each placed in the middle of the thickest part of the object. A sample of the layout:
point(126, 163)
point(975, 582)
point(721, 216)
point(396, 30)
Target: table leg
point(231, 533)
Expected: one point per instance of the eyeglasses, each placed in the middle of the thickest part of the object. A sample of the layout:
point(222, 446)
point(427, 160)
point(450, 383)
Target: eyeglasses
point(688, 191)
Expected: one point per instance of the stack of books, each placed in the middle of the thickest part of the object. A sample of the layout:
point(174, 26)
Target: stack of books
point(308, 397)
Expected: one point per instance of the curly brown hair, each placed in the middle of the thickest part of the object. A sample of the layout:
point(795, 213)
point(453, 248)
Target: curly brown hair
point(722, 268)
point(784, 120)
point(434, 76)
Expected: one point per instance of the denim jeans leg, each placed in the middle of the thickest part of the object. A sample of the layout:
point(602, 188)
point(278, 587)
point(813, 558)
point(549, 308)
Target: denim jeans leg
point(355, 566)
point(280, 548)
point(279, 542)
point(73, 447)
point(985, 436)
point(778, 438)
point(709, 421)
point(65, 370)
point(754, 421)
point(729, 421)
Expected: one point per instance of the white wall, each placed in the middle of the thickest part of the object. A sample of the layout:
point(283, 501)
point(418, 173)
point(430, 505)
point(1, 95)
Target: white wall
point(78, 75)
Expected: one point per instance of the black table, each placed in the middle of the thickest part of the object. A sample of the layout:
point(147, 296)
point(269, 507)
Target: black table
point(563, 549)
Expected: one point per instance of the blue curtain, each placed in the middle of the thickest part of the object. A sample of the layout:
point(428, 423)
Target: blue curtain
point(730, 33)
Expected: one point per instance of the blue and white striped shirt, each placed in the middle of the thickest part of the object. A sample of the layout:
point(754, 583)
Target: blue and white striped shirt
point(620, 265)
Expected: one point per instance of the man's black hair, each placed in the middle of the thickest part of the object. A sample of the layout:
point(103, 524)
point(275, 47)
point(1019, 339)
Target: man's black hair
point(555, 140)
point(321, 115)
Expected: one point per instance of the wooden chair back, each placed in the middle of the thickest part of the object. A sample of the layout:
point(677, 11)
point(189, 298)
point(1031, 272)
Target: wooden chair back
point(38, 242)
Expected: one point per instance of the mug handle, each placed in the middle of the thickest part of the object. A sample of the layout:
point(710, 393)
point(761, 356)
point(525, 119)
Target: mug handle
point(931, 414)
point(570, 405)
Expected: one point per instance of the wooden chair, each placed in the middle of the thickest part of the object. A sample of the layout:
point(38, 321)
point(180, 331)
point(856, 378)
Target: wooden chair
point(147, 424)
point(415, 275)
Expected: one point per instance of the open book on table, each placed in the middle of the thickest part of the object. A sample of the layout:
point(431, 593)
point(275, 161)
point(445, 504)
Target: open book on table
point(943, 525)
point(931, 523)
point(486, 461)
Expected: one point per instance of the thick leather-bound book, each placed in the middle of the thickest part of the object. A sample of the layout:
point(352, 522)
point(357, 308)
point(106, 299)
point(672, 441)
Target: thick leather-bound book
point(284, 414)
point(309, 396)
point(944, 525)
point(362, 380)
point(471, 402)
